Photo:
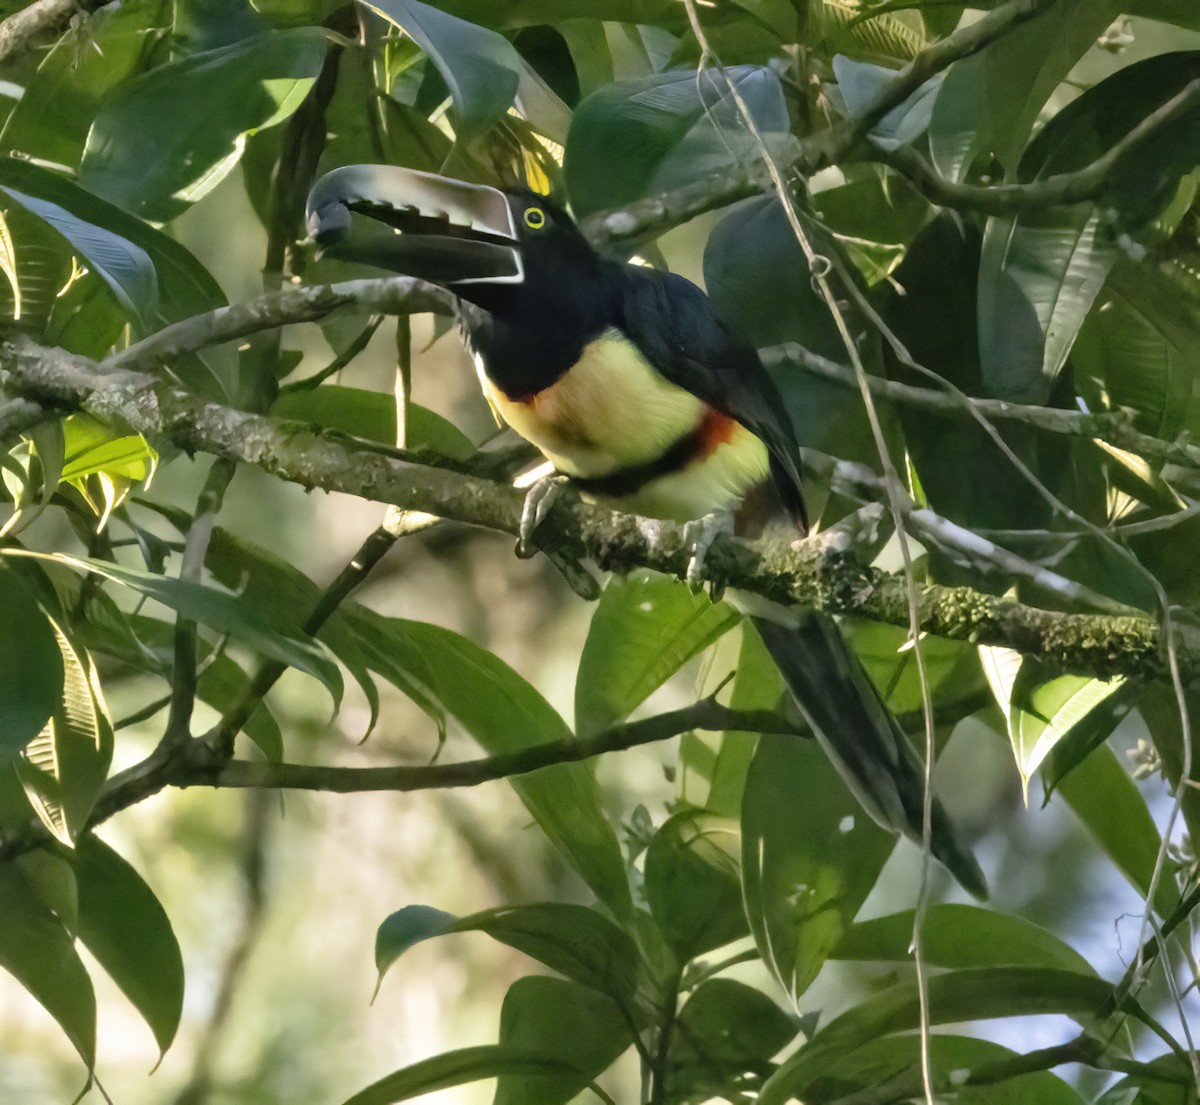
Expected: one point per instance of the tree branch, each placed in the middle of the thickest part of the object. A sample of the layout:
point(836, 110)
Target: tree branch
point(1114, 427)
point(801, 573)
point(17, 29)
point(706, 714)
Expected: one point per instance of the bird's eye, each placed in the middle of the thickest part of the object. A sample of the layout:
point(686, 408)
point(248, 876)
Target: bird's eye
point(535, 218)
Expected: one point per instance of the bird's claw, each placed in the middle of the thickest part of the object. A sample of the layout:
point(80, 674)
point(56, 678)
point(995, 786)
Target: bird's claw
point(699, 534)
point(540, 497)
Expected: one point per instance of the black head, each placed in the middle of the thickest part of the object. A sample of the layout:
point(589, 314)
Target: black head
point(513, 253)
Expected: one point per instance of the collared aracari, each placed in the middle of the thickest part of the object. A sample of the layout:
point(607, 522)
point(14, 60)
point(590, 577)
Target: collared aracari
point(626, 380)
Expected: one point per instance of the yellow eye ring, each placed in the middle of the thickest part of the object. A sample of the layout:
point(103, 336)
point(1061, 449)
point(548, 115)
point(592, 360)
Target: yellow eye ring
point(535, 218)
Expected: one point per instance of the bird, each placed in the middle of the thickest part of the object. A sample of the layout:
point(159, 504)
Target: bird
point(643, 399)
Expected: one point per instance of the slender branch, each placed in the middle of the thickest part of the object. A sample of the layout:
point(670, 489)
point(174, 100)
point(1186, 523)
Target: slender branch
point(1114, 427)
point(706, 714)
point(387, 296)
point(806, 573)
point(1088, 183)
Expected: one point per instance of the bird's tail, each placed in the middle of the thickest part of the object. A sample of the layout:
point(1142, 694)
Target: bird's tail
point(862, 737)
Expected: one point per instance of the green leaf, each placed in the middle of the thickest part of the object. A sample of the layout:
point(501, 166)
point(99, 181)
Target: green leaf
point(36, 950)
point(1042, 711)
point(220, 610)
point(644, 629)
point(582, 1029)
point(726, 1036)
point(990, 100)
point(480, 67)
point(573, 940)
point(505, 714)
point(163, 140)
point(455, 1068)
point(960, 936)
point(1174, 1085)
point(1114, 812)
point(65, 765)
point(185, 287)
point(50, 122)
point(372, 414)
point(692, 884)
point(8, 266)
point(125, 267)
point(862, 85)
point(636, 138)
point(90, 447)
point(895, 1062)
point(810, 857)
point(222, 681)
point(31, 667)
point(954, 997)
point(123, 925)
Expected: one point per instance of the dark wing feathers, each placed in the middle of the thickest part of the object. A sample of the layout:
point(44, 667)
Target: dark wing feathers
point(674, 325)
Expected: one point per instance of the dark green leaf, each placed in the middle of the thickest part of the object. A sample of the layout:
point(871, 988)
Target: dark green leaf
point(36, 950)
point(64, 766)
point(575, 941)
point(644, 629)
point(220, 610)
point(691, 883)
point(723, 1042)
point(123, 925)
point(480, 67)
point(163, 140)
point(960, 936)
point(895, 1063)
point(862, 85)
point(955, 997)
point(990, 100)
point(1175, 1085)
point(31, 667)
point(455, 1068)
point(810, 857)
point(125, 267)
point(582, 1029)
point(1113, 810)
point(637, 138)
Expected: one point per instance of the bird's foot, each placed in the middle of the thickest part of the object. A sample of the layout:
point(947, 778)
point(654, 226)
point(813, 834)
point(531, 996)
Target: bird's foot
point(699, 534)
point(540, 497)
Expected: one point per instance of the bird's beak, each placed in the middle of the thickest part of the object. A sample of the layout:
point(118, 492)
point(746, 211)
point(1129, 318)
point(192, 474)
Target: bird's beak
point(420, 224)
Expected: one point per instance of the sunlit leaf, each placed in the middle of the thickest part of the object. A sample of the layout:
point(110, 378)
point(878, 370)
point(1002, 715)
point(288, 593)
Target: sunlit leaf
point(123, 925)
point(31, 667)
point(644, 629)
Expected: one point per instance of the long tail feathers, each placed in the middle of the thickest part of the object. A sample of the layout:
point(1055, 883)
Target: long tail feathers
point(861, 736)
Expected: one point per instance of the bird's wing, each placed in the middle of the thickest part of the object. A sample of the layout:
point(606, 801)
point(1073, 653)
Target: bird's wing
point(674, 325)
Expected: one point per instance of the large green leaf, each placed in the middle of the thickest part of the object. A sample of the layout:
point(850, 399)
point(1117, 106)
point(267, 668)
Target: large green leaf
point(163, 140)
point(125, 267)
point(644, 629)
point(582, 1029)
point(123, 925)
point(895, 1063)
point(36, 950)
point(692, 884)
point(184, 286)
point(990, 100)
point(575, 941)
point(220, 610)
point(64, 766)
point(51, 120)
point(960, 936)
point(505, 714)
point(725, 1037)
point(1113, 810)
point(455, 1068)
point(637, 138)
point(953, 998)
point(1043, 710)
point(480, 67)
point(31, 667)
point(810, 857)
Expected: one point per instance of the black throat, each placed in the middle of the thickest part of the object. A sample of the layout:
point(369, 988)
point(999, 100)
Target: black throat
point(529, 335)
